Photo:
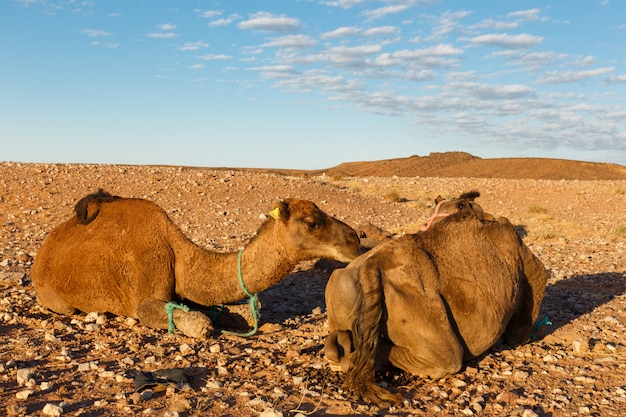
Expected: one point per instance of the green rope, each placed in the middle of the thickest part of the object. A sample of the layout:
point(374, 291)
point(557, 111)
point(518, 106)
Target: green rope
point(538, 325)
point(169, 308)
point(252, 302)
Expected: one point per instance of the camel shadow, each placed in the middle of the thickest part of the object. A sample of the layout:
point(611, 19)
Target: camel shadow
point(570, 298)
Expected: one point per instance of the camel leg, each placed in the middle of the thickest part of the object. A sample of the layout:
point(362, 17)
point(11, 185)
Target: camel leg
point(424, 340)
point(49, 298)
point(151, 312)
point(426, 362)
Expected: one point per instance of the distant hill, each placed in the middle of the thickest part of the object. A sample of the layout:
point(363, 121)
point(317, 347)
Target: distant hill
point(461, 164)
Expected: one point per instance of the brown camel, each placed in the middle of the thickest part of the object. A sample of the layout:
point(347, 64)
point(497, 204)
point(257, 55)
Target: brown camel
point(125, 256)
point(426, 302)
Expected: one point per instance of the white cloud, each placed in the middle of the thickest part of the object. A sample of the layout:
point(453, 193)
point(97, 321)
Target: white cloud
point(94, 33)
point(341, 32)
point(381, 31)
point(616, 79)
point(384, 11)
point(168, 27)
point(344, 4)
point(495, 24)
point(505, 40)
point(350, 55)
point(525, 15)
point(446, 23)
point(424, 58)
point(162, 35)
point(209, 14)
point(225, 21)
point(109, 45)
point(196, 66)
point(494, 91)
point(215, 57)
point(555, 77)
point(193, 46)
point(267, 22)
point(292, 41)
point(275, 71)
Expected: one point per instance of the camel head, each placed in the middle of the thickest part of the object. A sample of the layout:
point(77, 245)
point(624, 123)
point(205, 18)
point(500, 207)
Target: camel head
point(307, 232)
point(444, 208)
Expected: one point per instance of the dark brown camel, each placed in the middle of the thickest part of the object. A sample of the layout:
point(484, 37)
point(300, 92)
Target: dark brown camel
point(426, 302)
point(125, 256)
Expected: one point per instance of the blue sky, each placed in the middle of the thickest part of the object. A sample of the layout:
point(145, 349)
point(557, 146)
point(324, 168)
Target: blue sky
point(310, 84)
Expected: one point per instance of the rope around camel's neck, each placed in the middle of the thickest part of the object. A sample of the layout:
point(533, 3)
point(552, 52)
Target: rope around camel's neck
point(434, 216)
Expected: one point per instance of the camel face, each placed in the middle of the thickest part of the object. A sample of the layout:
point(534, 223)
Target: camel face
point(309, 232)
point(125, 256)
point(427, 302)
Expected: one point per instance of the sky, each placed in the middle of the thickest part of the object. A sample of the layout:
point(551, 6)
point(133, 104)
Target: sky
point(310, 84)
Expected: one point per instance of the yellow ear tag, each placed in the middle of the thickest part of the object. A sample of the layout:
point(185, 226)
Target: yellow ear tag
point(275, 213)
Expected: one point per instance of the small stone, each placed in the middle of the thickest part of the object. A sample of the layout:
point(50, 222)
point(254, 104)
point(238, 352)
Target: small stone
point(529, 413)
point(52, 410)
point(24, 394)
point(214, 384)
point(520, 375)
point(185, 349)
point(215, 348)
point(580, 346)
point(91, 317)
point(147, 394)
point(15, 410)
point(458, 383)
point(135, 398)
point(24, 375)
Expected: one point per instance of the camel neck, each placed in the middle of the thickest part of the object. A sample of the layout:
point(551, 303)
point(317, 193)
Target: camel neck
point(212, 278)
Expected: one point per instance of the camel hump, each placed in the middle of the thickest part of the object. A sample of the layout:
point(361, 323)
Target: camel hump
point(88, 207)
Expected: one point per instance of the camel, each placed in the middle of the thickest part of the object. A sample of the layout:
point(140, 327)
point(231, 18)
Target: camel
point(427, 302)
point(125, 256)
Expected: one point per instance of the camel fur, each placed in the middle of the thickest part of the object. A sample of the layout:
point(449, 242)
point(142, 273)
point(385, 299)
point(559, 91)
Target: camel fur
point(426, 302)
point(126, 257)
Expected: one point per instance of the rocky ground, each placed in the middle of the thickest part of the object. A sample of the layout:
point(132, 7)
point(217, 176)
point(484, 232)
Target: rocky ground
point(85, 365)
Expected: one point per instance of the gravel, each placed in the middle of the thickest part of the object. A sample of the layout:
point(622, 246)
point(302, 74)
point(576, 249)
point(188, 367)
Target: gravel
point(85, 364)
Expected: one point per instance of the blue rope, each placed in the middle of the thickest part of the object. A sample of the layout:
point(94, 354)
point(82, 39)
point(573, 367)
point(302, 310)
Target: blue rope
point(252, 302)
point(169, 308)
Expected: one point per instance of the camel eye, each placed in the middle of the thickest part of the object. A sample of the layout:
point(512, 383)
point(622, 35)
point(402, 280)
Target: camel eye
point(312, 225)
point(461, 205)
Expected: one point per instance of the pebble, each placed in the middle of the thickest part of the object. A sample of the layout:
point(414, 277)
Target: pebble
point(24, 376)
point(52, 410)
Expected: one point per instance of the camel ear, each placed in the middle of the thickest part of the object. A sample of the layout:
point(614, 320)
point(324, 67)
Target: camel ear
point(280, 211)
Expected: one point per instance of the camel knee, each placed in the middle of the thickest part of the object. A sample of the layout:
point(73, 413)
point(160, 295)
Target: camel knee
point(51, 300)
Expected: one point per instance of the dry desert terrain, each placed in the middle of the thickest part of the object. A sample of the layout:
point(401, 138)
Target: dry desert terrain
point(573, 216)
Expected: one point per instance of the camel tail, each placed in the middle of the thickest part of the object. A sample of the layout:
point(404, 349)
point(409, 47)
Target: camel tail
point(88, 207)
point(366, 331)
